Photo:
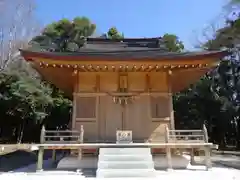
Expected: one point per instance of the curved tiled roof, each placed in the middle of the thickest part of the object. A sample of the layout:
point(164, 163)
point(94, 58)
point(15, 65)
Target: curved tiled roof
point(125, 55)
point(129, 48)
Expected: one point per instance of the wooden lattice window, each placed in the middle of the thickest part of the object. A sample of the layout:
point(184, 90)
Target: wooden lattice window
point(159, 107)
point(86, 107)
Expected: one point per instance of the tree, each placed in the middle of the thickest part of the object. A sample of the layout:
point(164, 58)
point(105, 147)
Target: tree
point(232, 3)
point(173, 44)
point(113, 33)
point(225, 83)
point(65, 35)
point(24, 101)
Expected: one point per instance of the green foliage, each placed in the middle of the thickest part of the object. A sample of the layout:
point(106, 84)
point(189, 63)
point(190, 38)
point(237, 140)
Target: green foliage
point(225, 37)
point(26, 103)
point(65, 35)
point(113, 33)
point(234, 2)
point(215, 99)
point(173, 44)
point(28, 97)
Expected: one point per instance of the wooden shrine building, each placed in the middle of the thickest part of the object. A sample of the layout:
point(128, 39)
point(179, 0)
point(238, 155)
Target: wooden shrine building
point(122, 84)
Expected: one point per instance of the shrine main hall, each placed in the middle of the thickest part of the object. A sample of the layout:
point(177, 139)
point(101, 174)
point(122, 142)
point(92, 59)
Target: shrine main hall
point(124, 84)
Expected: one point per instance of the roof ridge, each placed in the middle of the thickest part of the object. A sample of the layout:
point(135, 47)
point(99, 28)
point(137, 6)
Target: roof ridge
point(99, 39)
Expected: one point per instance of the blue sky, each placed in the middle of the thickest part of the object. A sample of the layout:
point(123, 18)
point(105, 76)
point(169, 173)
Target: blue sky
point(139, 18)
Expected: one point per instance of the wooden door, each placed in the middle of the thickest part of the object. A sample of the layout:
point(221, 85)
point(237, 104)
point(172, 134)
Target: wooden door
point(137, 119)
point(114, 119)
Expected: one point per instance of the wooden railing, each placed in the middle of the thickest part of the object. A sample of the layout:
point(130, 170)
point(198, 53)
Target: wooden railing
point(190, 136)
point(173, 139)
point(61, 136)
point(179, 136)
point(171, 136)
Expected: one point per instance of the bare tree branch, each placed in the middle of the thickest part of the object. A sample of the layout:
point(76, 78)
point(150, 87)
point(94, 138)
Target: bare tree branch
point(18, 25)
point(209, 32)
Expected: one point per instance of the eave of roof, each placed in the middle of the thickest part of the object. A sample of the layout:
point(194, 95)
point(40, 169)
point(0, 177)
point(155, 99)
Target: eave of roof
point(125, 55)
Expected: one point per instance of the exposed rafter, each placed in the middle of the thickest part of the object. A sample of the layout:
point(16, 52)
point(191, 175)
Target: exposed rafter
point(123, 68)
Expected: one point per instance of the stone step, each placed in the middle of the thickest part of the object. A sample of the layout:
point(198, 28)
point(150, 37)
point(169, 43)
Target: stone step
point(119, 151)
point(125, 157)
point(125, 162)
point(125, 165)
point(121, 173)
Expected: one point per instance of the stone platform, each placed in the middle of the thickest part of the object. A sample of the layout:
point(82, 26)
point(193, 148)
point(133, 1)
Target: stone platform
point(160, 162)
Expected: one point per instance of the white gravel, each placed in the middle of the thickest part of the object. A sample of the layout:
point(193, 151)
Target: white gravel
point(218, 172)
point(199, 173)
point(193, 172)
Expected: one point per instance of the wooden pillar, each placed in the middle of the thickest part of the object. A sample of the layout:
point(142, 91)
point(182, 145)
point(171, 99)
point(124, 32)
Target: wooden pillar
point(80, 142)
point(205, 133)
point(192, 161)
point(207, 150)
point(74, 109)
point(41, 150)
point(208, 163)
point(40, 158)
point(54, 158)
point(74, 113)
point(169, 77)
point(74, 105)
point(168, 149)
point(123, 109)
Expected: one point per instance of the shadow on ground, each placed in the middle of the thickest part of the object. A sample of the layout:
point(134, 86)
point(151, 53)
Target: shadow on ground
point(230, 161)
point(20, 159)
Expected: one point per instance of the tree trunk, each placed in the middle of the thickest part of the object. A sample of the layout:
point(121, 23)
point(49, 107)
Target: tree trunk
point(21, 130)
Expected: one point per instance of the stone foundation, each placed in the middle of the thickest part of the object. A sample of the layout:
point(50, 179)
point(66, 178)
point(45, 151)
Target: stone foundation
point(160, 162)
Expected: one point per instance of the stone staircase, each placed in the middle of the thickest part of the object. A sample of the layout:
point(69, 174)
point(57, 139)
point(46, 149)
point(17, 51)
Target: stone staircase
point(125, 162)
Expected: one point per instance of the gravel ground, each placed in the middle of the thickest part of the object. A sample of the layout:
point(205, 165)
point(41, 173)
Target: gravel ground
point(198, 173)
point(231, 161)
point(227, 160)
